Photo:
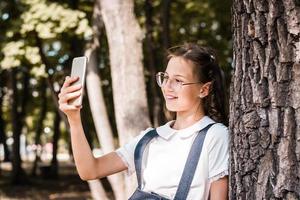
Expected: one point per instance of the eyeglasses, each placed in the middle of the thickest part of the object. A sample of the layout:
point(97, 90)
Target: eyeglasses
point(162, 79)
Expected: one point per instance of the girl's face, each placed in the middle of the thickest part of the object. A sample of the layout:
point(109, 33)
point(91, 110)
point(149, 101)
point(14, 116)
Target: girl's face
point(186, 97)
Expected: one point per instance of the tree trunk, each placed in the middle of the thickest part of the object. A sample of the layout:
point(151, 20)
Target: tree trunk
point(155, 101)
point(40, 124)
point(18, 174)
point(100, 118)
point(165, 15)
point(3, 138)
point(97, 103)
point(264, 108)
point(125, 50)
point(56, 134)
point(54, 93)
point(2, 122)
point(97, 190)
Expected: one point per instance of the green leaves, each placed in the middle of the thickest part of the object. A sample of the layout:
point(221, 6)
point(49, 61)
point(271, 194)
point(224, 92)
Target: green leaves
point(13, 52)
point(17, 52)
point(51, 19)
point(51, 22)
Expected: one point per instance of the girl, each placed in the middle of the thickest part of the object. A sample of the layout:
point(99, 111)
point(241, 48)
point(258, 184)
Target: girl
point(187, 158)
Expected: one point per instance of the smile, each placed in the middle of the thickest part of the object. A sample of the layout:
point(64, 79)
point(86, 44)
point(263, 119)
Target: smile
point(168, 97)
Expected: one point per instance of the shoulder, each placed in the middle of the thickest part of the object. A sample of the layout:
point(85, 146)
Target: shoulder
point(218, 130)
point(142, 134)
point(126, 151)
point(217, 133)
point(130, 145)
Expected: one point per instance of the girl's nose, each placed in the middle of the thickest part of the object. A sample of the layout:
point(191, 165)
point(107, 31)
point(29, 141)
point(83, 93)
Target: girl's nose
point(168, 85)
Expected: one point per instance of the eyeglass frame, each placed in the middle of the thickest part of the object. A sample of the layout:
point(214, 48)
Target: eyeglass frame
point(182, 83)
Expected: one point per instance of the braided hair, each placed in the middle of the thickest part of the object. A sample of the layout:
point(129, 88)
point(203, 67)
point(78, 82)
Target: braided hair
point(207, 70)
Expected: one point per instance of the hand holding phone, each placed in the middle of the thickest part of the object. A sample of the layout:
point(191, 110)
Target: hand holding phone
point(78, 70)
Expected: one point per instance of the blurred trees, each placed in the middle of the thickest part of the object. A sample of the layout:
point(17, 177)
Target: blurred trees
point(40, 38)
point(33, 48)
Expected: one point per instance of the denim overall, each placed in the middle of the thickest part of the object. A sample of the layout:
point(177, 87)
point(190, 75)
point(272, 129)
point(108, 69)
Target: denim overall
point(188, 172)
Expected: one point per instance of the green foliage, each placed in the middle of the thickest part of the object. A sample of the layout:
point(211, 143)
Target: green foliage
point(51, 22)
point(17, 52)
point(57, 26)
point(51, 19)
point(12, 52)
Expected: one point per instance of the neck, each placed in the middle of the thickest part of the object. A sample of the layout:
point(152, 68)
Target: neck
point(186, 119)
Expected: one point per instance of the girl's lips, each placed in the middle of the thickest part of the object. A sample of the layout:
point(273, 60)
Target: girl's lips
point(170, 97)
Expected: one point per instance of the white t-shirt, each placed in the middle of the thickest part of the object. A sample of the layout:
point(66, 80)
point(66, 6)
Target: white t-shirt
point(165, 156)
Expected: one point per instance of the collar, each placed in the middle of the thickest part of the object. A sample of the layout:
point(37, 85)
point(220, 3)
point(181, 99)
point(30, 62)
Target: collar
point(166, 131)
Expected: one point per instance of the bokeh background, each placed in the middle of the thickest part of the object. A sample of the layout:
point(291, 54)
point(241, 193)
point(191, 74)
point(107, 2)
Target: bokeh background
point(39, 39)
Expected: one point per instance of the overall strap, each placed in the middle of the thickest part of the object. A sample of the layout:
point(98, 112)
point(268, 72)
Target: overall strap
point(191, 165)
point(138, 154)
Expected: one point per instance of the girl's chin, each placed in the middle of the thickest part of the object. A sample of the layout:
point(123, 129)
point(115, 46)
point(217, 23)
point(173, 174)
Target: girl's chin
point(171, 108)
point(175, 108)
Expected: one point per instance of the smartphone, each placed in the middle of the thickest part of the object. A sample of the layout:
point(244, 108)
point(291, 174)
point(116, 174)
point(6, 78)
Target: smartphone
point(78, 69)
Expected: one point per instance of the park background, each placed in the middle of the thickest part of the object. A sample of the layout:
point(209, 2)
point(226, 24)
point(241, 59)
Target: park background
point(257, 43)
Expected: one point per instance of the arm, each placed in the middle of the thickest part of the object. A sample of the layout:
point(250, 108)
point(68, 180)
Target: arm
point(219, 189)
point(87, 165)
point(218, 141)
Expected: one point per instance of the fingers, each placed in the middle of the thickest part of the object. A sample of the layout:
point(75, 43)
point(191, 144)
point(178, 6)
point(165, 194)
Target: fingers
point(72, 88)
point(66, 88)
point(69, 81)
point(69, 92)
point(64, 98)
point(67, 107)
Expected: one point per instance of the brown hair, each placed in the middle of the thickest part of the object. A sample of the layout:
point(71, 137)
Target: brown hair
point(207, 69)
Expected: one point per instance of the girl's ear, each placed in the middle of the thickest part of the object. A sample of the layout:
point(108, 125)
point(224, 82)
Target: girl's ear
point(204, 91)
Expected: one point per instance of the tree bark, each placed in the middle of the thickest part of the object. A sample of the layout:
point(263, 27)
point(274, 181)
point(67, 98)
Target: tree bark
point(125, 50)
point(264, 108)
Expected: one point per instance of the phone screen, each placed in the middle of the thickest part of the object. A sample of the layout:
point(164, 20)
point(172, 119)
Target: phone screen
point(78, 69)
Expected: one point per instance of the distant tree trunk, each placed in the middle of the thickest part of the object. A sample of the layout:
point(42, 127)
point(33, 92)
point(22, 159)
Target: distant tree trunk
point(40, 124)
point(85, 114)
point(76, 45)
point(97, 190)
point(265, 101)
point(56, 134)
point(3, 136)
point(165, 19)
point(155, 101)
point(97, 103)
point(125, 50)
point(18, 174)
point(54, 93)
